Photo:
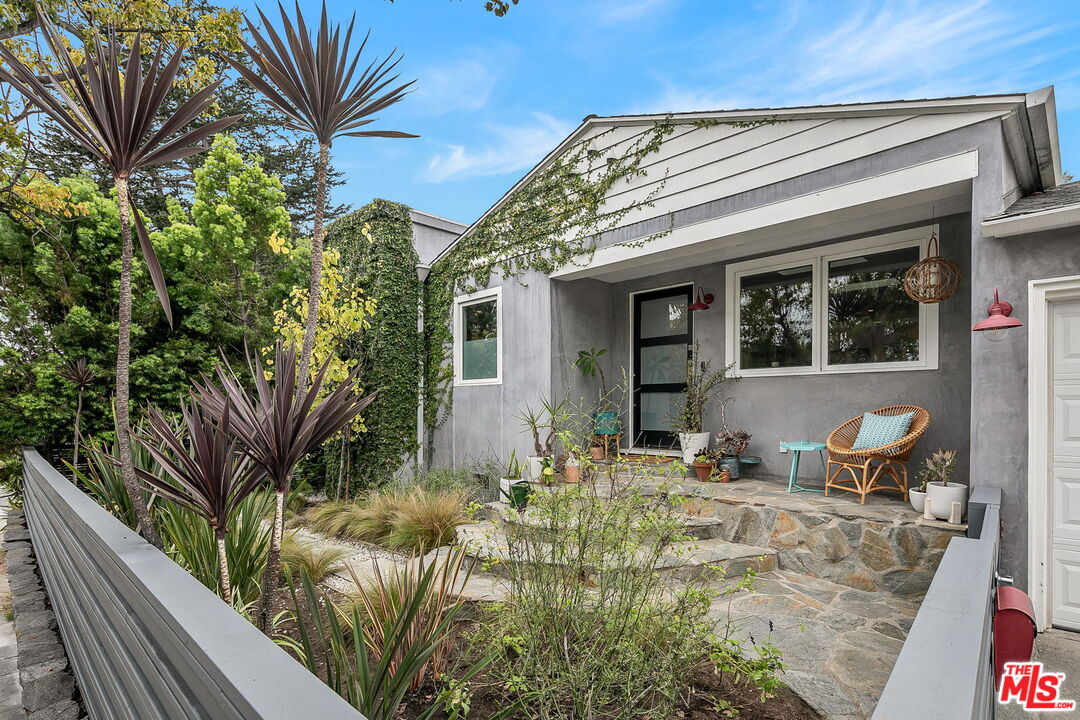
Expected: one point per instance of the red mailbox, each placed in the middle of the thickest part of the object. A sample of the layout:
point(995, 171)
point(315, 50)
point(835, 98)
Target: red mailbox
point(1014, 629)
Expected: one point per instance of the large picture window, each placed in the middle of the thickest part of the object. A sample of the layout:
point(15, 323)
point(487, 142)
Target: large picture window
point(838, 308)
point(477, 339)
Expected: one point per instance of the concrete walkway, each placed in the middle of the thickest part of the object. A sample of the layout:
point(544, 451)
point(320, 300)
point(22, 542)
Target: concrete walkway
point(1058, 651)
point(11, 706)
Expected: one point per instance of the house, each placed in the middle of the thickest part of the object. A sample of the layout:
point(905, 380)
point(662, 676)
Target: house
point(780, 215)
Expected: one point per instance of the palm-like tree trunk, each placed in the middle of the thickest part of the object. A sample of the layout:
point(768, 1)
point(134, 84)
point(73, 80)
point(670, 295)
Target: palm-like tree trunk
point(223, 567)
point(77, 437)
point(273, 565)
point(312, 320)
point(123, 362)
point(273, 555)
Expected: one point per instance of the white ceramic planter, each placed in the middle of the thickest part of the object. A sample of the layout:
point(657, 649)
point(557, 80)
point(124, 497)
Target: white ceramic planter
point(533, 468)
point(917, 498)
point(941, 497)
point(693, 444)
point(504, 488)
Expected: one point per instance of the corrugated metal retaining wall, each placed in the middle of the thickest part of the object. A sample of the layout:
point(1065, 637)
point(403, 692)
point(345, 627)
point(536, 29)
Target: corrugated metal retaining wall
point(945, 669)
point(147, 640)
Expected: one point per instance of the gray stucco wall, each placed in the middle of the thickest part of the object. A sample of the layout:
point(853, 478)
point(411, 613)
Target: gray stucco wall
point(999, 438)
point(482, 423)
point(802, 407)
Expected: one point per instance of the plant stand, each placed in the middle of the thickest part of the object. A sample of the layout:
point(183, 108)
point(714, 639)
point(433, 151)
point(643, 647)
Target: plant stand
point(605, 439)
point(797, 448)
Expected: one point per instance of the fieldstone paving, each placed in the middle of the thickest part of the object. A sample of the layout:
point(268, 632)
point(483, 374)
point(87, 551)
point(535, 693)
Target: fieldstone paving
point(839, 643)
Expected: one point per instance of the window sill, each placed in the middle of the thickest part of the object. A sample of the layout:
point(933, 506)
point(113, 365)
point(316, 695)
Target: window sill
point(477, 383)
point(836, 370)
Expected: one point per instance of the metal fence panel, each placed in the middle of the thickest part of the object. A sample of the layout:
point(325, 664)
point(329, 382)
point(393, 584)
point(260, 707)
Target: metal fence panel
point(145, 639)
point(945, 670)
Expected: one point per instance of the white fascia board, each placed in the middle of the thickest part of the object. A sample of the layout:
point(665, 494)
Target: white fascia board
point(1061, 217)
point(924, 176)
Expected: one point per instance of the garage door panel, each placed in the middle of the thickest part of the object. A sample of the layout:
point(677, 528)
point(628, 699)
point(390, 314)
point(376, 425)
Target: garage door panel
point(1065, 503)
point(1066, 588)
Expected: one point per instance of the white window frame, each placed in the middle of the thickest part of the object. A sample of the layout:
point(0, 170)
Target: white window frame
point(460, 303)
point(818, 259)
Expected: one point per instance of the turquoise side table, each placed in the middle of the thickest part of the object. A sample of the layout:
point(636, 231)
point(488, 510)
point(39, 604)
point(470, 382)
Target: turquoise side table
point(797, 448)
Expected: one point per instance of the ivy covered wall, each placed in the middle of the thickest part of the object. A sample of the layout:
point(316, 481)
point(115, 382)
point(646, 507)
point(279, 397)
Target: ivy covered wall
point(383, 262)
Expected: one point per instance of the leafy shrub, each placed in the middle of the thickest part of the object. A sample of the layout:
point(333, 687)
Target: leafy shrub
point(316, 562)
point(476, 481)
point(591, 629)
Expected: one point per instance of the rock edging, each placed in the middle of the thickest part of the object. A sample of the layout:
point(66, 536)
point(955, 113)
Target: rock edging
point(48, 684)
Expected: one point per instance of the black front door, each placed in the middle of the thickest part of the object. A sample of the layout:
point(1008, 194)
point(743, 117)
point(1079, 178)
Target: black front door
point(663, 333)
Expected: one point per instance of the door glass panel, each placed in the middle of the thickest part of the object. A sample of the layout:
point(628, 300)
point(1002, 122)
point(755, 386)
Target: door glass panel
point(776, 318)
point(656, 410)
point(663, 364)
point(871, 319)
point(480, 346)
point(664, 316)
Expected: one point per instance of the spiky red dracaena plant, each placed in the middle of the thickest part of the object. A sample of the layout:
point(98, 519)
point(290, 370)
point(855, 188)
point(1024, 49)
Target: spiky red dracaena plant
point(79, 374)
point(277, 427)
point(208, 474)
point(315, 85)
point(111, 110)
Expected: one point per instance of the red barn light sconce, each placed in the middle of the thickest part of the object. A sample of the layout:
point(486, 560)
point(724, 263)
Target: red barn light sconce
point(998, 321)
point(703, 301)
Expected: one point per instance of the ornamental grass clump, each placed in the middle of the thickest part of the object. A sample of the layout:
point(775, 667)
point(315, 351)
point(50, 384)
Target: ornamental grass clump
point(399, 520)
point(317, 562)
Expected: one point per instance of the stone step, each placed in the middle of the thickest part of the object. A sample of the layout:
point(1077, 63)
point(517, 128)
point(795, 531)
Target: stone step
point(694, 527)
point(688, 559)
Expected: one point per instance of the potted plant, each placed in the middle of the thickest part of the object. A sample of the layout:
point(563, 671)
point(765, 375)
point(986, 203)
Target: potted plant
point(731, 444)
point(703, 385)
point(547, 471)
point(596, 450)
point(572, 470)
point(941, 492)
point(917, 496)
point(704, 464)
point(511, 477)
point(605, 420)
point(544, 426)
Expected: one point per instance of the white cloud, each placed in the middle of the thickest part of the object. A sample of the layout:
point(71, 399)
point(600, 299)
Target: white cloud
point(462, 84)
point(862, 51)
point(510, 148)
point(619, 11)
point(674, 99)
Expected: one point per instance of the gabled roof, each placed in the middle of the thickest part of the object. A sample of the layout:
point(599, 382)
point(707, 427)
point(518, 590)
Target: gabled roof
point(1030, 120)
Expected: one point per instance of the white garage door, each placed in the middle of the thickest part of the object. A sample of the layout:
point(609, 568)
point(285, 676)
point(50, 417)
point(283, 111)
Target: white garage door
point(1064, 528)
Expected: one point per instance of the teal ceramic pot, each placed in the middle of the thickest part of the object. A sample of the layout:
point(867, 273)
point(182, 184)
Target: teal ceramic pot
point(606, 423)
point(731, 464)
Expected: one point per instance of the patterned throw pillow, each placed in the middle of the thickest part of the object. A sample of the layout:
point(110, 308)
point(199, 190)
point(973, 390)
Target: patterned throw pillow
point(879, 430)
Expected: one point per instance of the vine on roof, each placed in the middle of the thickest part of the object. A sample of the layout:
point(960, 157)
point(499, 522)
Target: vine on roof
point(557, 218)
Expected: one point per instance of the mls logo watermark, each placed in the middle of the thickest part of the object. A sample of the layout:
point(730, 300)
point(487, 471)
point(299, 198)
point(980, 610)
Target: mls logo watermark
point(1033, 689)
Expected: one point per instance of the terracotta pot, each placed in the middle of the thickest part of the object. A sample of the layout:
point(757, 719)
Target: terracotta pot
point(572, 474)
point(704, 470)
point(724, 476)
point(597, 453)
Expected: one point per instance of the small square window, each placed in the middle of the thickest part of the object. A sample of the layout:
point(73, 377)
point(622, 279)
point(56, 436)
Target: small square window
point(478, 345)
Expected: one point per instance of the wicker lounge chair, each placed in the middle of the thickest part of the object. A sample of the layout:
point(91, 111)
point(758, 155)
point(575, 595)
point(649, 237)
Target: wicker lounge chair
point(881, 468)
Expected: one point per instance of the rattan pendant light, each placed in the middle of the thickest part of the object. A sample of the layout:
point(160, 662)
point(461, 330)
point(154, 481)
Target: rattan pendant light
point(933, 278)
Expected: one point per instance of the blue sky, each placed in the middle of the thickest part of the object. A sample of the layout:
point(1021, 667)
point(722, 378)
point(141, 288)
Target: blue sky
point(495, 94)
